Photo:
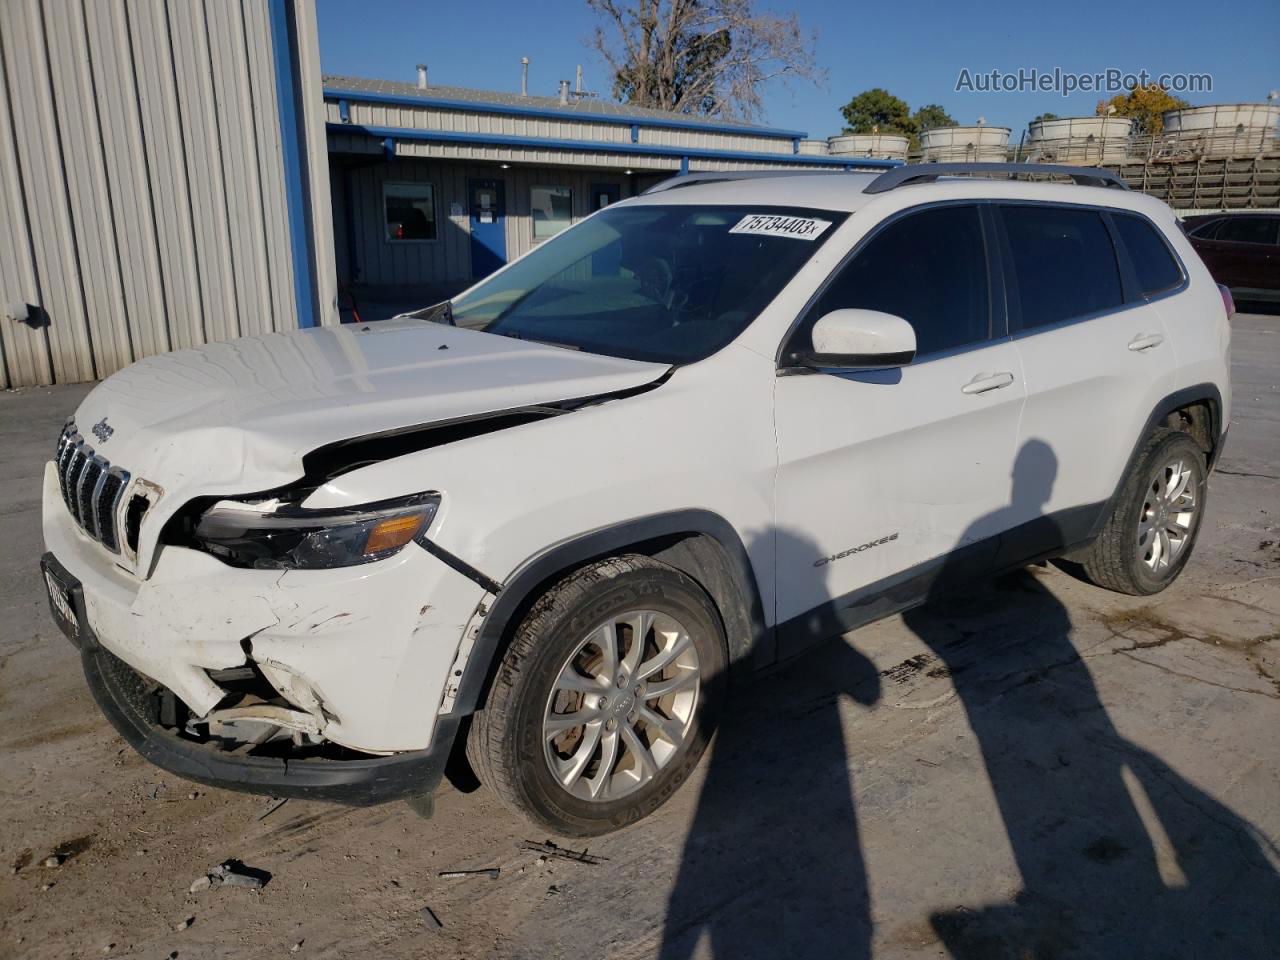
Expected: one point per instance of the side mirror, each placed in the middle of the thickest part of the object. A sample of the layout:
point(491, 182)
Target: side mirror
point(861, 339)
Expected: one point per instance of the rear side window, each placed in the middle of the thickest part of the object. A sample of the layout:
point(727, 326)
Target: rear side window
point(1152, 260)
point(1064, 263)
point(929, 268)
point(1247, 230)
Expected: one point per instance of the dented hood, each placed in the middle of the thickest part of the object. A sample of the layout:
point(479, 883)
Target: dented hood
point(238, 417)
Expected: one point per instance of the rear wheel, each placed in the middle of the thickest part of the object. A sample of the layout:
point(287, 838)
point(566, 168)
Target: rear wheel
point(1149, 536)
point(604, 701)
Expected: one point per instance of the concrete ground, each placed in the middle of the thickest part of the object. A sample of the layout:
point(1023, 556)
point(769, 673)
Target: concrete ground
point(1039, 769)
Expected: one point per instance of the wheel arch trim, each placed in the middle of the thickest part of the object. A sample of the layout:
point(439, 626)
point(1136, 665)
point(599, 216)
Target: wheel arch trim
point(1207, 393)
point(749, 636)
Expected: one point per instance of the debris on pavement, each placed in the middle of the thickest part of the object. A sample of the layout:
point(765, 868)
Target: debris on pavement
point(430, 919)
point(490, 872)
point(551, 850)
point(273, 808)
point(183, 924)
point(54, 860)
point(231, 873)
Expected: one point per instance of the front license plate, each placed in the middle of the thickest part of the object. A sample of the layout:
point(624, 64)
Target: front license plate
point(60, 603)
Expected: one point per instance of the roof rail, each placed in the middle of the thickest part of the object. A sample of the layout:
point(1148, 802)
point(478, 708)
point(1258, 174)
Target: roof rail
point(928, 172)
point(694, 179)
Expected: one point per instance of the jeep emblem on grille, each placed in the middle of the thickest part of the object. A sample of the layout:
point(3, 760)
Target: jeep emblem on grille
point(102, 431)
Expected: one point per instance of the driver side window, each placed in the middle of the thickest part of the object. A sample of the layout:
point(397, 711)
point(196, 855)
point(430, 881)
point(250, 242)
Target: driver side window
point(930, 268)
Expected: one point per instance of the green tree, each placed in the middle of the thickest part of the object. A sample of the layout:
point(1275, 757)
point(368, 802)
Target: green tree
point(928, 117)
point(1045, 116)
point(1145, 105)
point(877, 111)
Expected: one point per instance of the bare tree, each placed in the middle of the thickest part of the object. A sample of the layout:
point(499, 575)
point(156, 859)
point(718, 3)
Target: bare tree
point(700, 56)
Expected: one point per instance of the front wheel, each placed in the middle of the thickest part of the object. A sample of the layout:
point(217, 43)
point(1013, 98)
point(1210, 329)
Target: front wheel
point(605, 700)
point(1148, 538)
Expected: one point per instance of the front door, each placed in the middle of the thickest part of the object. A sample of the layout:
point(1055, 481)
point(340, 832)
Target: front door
point(884, 474)
point(488, 227)
point(604, 194)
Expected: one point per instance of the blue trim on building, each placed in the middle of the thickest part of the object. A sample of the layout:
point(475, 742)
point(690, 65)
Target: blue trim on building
point(603, 146)
point(635, 133)
point(684, 166)
point(344, 111)
point(290, 111)
point(479, 106)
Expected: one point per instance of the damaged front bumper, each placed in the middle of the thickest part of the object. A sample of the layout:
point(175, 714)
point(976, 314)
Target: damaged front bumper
point(127, 699)
point(343, 671)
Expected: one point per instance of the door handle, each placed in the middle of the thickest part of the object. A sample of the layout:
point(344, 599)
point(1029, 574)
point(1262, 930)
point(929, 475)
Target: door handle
point(987, 381)
point(1145, 342)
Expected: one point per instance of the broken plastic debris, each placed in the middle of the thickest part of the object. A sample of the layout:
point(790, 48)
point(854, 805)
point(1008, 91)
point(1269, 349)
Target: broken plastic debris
point(549, 849)
point(233, 873)
point(490, 872)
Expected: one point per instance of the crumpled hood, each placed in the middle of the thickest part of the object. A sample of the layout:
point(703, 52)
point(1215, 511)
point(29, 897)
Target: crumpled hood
point(237, 417)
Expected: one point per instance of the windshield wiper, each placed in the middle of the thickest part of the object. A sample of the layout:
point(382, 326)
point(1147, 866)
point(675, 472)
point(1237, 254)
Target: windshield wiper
point(436, 313)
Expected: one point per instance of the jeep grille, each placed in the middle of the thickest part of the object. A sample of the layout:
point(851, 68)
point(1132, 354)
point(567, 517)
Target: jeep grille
point(91, 487)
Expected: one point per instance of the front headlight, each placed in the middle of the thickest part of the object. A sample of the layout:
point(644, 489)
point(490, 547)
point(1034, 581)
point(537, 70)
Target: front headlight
point(293, 538)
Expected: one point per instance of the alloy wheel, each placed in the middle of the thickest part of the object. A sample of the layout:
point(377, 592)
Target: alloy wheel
point(622, 705)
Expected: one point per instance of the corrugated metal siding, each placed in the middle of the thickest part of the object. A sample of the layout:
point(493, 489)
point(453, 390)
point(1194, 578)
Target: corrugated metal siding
point(447, 260)
point(142, 183)
point(498, 124)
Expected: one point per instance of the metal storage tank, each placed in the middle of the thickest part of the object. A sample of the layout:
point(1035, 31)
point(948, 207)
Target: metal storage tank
point(1080, 140)
point(1222, 130)
point(979, 144)
point(890, 146)
point(813, 148)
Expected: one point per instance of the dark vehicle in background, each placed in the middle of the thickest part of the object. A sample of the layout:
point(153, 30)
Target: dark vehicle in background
point(1241, 250)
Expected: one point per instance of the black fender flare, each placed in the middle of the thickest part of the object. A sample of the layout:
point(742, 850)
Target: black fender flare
point(737, 594)
point(1207, 393)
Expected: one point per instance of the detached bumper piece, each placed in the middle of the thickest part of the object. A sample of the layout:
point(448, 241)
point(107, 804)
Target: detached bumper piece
point(128, 699)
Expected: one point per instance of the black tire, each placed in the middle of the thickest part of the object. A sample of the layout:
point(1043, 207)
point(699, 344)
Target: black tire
point(505, 744)
point(1115, 560)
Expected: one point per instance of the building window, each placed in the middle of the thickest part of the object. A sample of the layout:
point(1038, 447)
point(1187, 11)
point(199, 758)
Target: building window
point(409, 211)
point(552, 209)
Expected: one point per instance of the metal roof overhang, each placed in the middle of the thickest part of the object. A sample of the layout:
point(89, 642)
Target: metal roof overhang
point(549, 113)
point(602, 146)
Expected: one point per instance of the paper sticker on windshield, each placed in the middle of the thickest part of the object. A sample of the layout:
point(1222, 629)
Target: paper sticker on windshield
point(772, 225)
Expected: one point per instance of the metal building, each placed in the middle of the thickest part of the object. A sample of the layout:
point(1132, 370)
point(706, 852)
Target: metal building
point(434, 187)
point(163, 180)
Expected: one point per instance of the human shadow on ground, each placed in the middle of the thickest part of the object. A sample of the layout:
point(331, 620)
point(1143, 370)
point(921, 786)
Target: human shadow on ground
point(1119, 856)
point(775, 812)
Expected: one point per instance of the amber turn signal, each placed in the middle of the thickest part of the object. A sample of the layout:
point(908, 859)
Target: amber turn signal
point(393, 533)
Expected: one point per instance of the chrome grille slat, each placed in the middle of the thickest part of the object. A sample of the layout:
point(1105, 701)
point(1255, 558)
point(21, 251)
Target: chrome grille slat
point(91, 488)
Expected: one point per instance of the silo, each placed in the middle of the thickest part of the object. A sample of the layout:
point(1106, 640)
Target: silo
point(1221, 130)
point(978, 144)
point(888, 146)
point(1079, 140)
point(813, 148)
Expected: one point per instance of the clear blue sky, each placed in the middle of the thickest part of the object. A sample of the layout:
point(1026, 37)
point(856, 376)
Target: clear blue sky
point(914, 49)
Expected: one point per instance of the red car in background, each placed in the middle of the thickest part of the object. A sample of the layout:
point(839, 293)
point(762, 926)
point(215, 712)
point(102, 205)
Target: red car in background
point(1241, 250)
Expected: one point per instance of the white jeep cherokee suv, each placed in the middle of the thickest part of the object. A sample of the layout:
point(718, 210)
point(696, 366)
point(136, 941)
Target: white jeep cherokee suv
point(695, 433)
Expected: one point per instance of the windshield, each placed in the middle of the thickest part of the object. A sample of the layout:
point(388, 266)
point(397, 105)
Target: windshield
point(671, 284)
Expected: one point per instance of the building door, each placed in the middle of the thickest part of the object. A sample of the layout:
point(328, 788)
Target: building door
point(488, 227)
point(603, 194)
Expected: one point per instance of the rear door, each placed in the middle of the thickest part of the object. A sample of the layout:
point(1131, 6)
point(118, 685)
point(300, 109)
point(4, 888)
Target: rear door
point(1241, 252)
point(1096, 355)
point(882, 472)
